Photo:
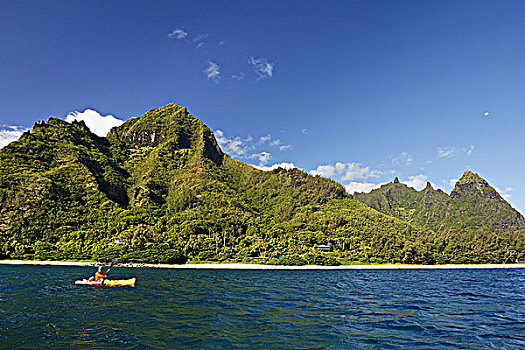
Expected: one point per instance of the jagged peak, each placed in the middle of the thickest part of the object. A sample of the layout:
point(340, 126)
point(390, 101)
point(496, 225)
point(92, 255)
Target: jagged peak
point(396, 180)
point(170, 124)
point(51, 121)
point(168, 111)
point(471, 183)
point(54, 124)
point(159, 124)
point(429, 186)
point(470, 177)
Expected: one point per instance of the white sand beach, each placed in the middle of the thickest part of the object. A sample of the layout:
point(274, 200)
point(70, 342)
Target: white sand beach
point(235, 266)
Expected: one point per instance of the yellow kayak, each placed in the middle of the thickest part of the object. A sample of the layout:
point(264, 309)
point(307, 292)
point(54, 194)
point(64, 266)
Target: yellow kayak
point(109, 283)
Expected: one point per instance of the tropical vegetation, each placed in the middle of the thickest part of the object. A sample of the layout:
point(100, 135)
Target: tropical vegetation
point(159, 189)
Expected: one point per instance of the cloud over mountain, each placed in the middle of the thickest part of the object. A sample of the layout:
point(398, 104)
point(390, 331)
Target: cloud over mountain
point(346, 171)
point(366, 187)
point(283, 165)
point(248, 148)
point(9, 134)
point(417, 181)
point(98, 124)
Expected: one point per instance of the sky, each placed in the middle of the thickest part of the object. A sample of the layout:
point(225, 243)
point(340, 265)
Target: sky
point(358, 91)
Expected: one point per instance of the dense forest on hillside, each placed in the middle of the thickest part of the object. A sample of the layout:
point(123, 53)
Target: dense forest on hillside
point(159, 189)
point(473, 204)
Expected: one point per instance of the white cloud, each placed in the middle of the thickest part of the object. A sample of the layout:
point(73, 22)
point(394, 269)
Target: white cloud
point(468, 151)
point(249, 148)
point(403, 158)
point(178, 34)
point(452, 151)
point(448, 184)
point(276, 143)
point(346, 171)
point(98, 124)
point(505, 192)
point(353, 187)
point(446, 152)
point(235, 146)
point(284, 165)
point(263, 158)
point(238, 76)
point(212, 71)
point(9, 134)
point(262, 67)
point(264, 139)
point(201, 44)
point(323, 170)
point(340, 167)
point(354, 171)
point(418, 182)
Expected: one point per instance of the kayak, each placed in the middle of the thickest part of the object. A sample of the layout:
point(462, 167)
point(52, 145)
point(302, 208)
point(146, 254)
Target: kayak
point(109, 283)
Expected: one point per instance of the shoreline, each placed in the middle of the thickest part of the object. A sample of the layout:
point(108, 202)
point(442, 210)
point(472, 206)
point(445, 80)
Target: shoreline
point(235, 266)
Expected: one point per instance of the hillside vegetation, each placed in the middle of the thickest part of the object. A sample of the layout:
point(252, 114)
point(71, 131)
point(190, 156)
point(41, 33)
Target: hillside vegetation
point(473, 204)
point(159, 189)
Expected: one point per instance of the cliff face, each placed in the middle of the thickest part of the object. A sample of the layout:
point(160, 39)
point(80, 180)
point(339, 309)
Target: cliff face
point(158, 148)
point(472, 204)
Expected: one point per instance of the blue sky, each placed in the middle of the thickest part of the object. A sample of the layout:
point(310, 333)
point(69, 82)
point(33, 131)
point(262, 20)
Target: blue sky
point(360, 91)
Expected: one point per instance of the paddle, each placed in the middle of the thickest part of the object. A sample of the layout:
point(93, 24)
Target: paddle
point(110, 266)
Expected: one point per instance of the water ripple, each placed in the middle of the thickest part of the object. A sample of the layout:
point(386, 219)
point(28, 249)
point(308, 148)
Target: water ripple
point(41, 308)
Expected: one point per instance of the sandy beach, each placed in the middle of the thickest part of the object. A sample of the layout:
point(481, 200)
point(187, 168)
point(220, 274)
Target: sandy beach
point(234, 266)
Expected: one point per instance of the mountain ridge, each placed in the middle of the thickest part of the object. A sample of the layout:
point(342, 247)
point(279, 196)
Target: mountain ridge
point(161, 184)
point(472, 204)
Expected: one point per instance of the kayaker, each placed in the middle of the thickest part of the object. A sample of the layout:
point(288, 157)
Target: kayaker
point(100, 275)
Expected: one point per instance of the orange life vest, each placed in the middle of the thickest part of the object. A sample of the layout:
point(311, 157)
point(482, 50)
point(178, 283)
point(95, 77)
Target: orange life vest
point(100, 275)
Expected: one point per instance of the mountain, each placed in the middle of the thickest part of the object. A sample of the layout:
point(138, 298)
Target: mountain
point(158, 188)
point(472, 204)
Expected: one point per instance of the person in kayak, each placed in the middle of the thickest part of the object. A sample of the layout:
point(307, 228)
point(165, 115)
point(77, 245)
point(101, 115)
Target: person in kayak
point(100, 276)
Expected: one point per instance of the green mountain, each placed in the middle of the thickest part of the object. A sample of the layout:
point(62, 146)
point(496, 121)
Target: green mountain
point(159, 189)
point(473, 204)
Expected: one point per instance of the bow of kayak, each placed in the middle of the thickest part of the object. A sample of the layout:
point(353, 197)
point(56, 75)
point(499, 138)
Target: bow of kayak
point(110, 283)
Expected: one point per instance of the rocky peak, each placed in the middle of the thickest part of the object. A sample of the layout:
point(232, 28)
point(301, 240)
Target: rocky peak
point(157, 125)
point(54, 123)
point(171, 123)
point(470, 177)
point(470, 184)
point(473, 204)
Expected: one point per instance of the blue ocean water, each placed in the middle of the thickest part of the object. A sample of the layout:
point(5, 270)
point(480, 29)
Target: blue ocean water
point(42, 308)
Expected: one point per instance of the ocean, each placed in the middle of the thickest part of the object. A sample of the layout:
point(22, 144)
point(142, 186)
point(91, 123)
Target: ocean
point(42, 308)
